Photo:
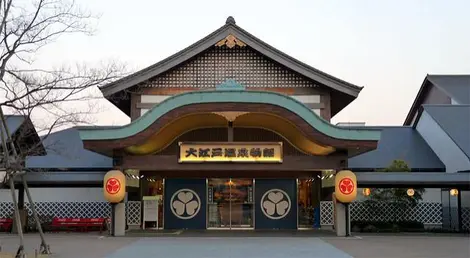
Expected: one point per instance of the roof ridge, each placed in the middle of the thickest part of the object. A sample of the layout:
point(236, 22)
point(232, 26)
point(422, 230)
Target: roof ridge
point(173, 56)
point(450, 75)
point(297, 60)
point(229, 28)
point(445, 105)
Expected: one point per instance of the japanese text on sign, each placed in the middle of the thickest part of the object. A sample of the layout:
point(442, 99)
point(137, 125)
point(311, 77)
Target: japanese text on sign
point(230, 152)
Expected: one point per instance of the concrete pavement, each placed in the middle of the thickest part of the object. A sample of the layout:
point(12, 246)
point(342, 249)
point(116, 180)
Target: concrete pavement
point(91, 245)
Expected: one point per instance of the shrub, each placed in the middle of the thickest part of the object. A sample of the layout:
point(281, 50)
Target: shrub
point(387, 226)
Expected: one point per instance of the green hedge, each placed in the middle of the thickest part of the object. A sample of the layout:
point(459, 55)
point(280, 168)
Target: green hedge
point(387, 226)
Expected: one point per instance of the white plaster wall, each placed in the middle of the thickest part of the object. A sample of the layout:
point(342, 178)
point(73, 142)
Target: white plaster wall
point(59, 195)
point(307, 98)
point(432, 195)
point(447, 151)
point(454, 102)
point(160, 98)
point(5, 195)
point(316, 110)
point(465, 198)
point(153, 98)
point(143, 111)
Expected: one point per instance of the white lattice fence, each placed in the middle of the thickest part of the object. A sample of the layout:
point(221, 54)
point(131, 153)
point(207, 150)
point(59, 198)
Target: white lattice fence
point(47, 210)
point(6, 209)
point(133, 210)
point(466, 218)
point(326, 213)
point(425, 212)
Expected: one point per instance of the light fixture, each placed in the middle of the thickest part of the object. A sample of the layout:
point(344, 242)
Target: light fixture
point(366, 191)
point(410, 192)
point(454, 192)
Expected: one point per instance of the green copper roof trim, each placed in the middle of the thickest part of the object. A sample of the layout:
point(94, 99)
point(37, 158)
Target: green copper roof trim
point(230, 85)
point(221, 96)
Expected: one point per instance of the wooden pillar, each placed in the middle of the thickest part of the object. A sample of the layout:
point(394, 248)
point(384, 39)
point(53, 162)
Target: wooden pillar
point(20, 197)
point(230, 131)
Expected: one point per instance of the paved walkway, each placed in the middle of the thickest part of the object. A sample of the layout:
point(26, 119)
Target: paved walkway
point(260, 247)
point(406, 246)
point(75, 245)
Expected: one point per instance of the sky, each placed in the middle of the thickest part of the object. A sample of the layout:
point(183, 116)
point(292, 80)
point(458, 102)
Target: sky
point(386, 46)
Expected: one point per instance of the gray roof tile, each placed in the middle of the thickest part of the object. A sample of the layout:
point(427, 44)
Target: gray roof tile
point(403, 143)
point(455, 121)
point(455, 86)
point(65, 150)
point(14, 122)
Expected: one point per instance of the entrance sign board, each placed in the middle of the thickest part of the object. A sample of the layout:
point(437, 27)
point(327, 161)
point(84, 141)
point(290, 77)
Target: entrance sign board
point(345, 186)
point(150, 209)
point(270, 152)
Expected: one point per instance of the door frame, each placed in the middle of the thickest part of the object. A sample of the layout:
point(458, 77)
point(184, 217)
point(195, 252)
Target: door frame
point(230, 211)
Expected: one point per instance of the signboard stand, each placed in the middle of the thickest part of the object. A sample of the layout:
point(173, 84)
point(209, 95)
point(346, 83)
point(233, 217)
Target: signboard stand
point(150, 210)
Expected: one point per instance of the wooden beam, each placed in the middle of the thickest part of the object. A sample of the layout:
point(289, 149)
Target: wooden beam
point(151, 105)
point(290, 163)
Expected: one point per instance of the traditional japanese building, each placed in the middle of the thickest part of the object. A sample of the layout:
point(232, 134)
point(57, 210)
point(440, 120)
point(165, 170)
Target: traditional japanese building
point(233, 133)
point(228, 123)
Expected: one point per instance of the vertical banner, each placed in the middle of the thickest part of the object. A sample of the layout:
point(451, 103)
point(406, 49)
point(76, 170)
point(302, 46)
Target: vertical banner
point(276, 204)
point(185, 204)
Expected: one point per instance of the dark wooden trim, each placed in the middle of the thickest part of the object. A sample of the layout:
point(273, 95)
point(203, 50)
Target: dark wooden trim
point(305, 128)
point(290, 163)
point(174, 91)
point(231, 174)
point(230, 132)
point(151, 105)
point(145, 105)
point(417, 101)
point(135, 111)
point(326, 112)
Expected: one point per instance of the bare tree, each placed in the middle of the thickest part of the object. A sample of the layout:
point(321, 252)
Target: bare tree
point(26, 27)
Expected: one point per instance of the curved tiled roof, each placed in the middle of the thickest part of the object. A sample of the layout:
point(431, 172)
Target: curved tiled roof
point(230, 94)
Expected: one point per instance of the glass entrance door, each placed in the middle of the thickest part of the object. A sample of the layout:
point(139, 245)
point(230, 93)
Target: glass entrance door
point(309, 196)
point(230, 203)
point(218, 203)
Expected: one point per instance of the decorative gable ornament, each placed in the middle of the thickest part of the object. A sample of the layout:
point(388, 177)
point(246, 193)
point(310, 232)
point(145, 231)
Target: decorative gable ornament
point(230, 85)
point(230, 41)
